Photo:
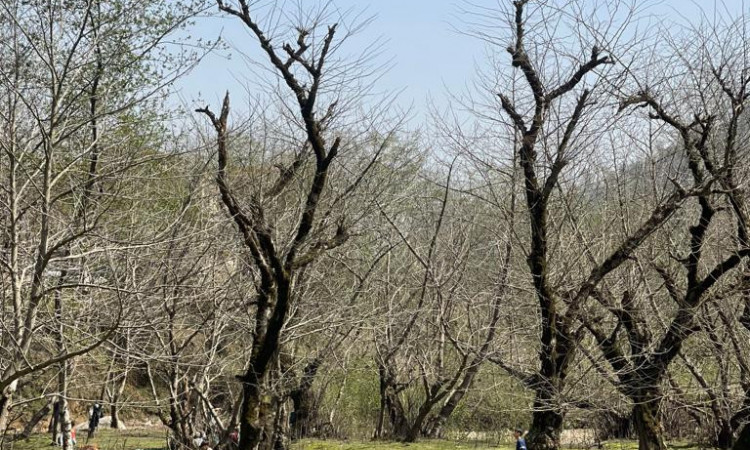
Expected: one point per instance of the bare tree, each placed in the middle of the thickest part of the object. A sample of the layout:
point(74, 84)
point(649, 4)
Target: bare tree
point(63, 77)
point(551, 131)
point(307, 69)
point(700, 264)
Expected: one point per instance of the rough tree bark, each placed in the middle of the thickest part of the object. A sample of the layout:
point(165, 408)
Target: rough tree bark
point(561, 331)
point(277, 263)
point(559, 336)
point(390, 403)
point(38, 416)
point(741, 420)
point(650, 363)
point(305, 403)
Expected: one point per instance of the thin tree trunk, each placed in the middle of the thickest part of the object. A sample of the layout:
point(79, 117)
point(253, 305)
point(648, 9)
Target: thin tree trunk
point(281, 426)
point(434, 429)
point(116, 395)
point(62, 376)
point(381, 414)
point(115, 423)
point(334, 408)
point(65, 427)
point(53, 422)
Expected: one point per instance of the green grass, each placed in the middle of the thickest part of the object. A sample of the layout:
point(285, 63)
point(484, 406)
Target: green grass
point(105, 440)
point(423, 445)
point(441, 445)
point(155, 440)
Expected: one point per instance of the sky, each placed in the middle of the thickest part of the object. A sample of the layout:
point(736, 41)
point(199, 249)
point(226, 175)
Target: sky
point(425, 54)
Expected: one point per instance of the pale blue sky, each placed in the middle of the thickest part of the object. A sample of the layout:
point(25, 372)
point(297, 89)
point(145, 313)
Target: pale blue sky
point(425, 52)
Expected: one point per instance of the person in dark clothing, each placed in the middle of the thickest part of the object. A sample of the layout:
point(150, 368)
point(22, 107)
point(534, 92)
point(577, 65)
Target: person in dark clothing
point(96, 414)
point(520, 441)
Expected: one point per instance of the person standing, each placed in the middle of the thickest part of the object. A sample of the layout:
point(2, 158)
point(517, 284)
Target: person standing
point(520, 441)
point(59, 440)
point(96, 414)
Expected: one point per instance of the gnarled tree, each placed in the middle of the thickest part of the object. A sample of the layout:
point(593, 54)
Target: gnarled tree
point(279, 237)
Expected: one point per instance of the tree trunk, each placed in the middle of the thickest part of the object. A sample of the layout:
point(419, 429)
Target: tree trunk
point(724, 435)
point(115, 424)
point(280, 426)
point(616, 426)
point(62, 376)
point(396, 414)
point(28, 429)
point(115, 400)
point(53, 422)
point(381, 415)
point(63, 413)
point(256, 416)
point(305, 404)
point(5, 400)
point(393, 406)
point(743, 440)
point(434, 428)
point(647, 423)
point(548, 416)
point(546, 427)
point(415, 430)
point(60, 427)
point(65, 427)
point(305, 413)
point(260, 404)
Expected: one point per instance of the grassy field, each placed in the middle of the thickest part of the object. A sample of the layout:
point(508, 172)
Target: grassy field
point(155, 440)
point(444, 445)
point(105, 440)
point(429, 445)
